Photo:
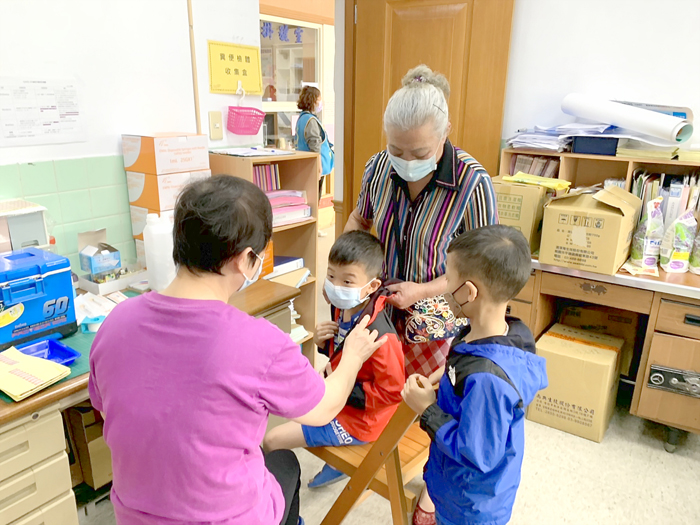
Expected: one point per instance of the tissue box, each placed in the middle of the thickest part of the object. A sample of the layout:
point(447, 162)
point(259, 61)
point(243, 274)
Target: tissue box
point(96, 256)
point(165, 153)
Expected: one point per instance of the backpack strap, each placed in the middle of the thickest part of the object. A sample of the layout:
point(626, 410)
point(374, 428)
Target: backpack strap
point(461, 366)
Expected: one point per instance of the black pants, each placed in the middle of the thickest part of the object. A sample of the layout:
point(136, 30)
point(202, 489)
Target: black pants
point(284, 465)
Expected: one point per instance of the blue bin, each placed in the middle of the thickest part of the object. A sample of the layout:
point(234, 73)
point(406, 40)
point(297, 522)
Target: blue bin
point(52, 350)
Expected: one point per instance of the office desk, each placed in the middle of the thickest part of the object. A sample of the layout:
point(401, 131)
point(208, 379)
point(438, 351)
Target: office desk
point(670, 303)
point(31, 431)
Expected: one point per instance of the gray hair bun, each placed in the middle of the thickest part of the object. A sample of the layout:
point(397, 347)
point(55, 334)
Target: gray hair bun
point(421, 75)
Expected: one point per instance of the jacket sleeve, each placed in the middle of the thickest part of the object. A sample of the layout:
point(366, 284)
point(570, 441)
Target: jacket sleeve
point(312, 134)
point(480, 435)
point(389, 376)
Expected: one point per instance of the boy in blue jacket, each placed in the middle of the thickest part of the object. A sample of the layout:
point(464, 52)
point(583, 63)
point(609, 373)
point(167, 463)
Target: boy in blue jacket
point(477, 425)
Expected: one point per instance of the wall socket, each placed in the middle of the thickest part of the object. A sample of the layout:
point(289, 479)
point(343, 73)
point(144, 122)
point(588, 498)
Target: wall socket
point(216, 129)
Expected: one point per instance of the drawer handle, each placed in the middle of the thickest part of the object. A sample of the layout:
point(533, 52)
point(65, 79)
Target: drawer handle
point(692, 320)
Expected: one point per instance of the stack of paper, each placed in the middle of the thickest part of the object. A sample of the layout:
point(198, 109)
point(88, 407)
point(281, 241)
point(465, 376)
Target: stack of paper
point(298, 333)
point(288, 207)
point(636, 148)
point(22, 376)
point(689, 153)
point(294, 278)
point(538, 139)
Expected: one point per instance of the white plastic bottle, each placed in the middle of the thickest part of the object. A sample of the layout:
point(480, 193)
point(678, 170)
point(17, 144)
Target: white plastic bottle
point(158, 243)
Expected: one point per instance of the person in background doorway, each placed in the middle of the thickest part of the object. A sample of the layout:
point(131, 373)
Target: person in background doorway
point(310, 133)
point(186, 382)
point(420, 193)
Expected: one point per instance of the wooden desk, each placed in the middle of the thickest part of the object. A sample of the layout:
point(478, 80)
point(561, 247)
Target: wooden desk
point(257, 300)
point(670, 302)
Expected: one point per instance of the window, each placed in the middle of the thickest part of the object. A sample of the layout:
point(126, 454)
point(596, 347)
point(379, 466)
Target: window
point(290, 54)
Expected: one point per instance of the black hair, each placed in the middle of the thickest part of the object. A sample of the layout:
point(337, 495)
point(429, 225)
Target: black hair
point(497, 255)
point(358, 247)
point(216, 219)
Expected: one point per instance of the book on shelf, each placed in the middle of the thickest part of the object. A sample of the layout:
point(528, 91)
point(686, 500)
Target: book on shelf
point(284, 264)
point(281, 198)
point(267, 177)
point(290, 215)
point(679, 192)
point(295, 278)
point(540, 166)
point(22, 376)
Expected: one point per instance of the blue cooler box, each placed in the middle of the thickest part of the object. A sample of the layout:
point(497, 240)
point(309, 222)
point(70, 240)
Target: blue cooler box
point(36, 297)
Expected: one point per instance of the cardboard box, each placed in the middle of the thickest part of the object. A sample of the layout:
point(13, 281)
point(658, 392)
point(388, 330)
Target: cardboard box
point(159, 192)
point(521, 206)
point(589, 231)
point(137, 274)
point(96, 256)
point(608, 321)
point(138, 219)
point(93, 453)
point(140, 253)
point(583, 375)
point(163, 153)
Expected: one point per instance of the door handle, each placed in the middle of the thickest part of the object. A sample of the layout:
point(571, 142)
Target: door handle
point(692, 320)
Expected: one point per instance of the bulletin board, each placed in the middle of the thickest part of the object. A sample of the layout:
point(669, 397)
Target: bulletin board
point(230, 64)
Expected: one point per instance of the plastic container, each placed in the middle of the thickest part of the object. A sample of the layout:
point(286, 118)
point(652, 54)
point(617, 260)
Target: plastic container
point(244, 120)
point(158, 243)
point(52, 350)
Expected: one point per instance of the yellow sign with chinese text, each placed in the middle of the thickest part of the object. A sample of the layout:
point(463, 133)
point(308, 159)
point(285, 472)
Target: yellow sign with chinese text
point(231, 63)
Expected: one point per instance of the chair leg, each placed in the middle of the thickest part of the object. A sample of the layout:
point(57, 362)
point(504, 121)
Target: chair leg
point(397, 496)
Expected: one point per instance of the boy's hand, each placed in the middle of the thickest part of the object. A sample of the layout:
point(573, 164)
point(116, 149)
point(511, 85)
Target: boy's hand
point(360, 343)
point(405, 294)
point(418, 393)
point(324, 331)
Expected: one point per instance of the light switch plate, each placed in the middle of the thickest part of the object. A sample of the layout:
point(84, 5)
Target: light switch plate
point(216, 130)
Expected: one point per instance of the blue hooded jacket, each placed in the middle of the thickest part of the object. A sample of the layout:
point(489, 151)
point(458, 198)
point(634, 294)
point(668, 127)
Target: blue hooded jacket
point(477, 427)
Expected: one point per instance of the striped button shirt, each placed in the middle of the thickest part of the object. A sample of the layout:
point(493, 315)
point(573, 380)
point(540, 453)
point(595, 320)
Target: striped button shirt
point(459, 197)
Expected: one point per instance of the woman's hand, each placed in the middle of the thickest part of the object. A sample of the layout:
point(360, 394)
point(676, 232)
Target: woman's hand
point(360, 343)
point(418, 393)
point(324, 331)
point(405, 294)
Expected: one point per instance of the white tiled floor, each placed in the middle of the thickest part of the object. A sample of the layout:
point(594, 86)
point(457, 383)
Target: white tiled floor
point(628, 479)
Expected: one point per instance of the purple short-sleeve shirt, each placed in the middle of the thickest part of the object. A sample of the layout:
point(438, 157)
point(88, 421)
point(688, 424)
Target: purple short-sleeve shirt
point(186, 388)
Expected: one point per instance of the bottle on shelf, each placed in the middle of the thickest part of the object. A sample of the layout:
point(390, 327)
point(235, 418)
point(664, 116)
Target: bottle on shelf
point(158, 243)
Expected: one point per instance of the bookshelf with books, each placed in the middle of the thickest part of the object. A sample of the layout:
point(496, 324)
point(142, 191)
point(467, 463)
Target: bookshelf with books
point(290, 175)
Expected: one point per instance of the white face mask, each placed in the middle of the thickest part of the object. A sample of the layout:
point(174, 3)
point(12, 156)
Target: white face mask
point(247, 281)
point(319, 107)
point(343, 297)
point(413, 170)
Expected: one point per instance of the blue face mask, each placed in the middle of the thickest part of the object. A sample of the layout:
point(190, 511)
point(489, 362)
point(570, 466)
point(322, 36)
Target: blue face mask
point(247, 281)
point(413, 170)
point(344, 297)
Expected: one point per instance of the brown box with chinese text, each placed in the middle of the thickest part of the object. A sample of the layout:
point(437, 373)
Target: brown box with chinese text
point(94, 455)
point(521, 206)
point(589, 231)
point(583, 376)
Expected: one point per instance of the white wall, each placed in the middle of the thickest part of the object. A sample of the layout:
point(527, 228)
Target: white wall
point(339, 82)
point(234, 21)
point(640, 50)
point(131, 58)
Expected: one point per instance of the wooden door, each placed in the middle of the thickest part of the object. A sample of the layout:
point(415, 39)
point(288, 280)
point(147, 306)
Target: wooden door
point(466, 40)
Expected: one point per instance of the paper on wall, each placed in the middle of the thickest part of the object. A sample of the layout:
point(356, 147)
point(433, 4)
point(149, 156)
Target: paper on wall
point(663, 126)
point(36, 111)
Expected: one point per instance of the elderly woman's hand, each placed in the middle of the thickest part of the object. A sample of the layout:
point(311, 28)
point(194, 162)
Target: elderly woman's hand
point(405, 294)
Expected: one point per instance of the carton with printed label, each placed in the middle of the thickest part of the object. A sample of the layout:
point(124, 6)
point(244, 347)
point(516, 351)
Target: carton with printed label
point(589, 229)
point(521, 206)
point(163, 153)
point(583, 376)
point(159, 192)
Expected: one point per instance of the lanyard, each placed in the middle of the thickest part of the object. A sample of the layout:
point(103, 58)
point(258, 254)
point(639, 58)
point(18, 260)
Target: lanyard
point(398, 238)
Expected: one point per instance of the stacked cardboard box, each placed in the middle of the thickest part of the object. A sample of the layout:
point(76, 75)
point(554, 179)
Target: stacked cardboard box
point(94, 456)
point(157, 168)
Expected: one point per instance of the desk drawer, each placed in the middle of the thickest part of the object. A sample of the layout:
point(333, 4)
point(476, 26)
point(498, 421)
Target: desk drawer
point(528, 292)
point(30, 442)
point(679, 319)
point(32, 488)
point(597, 292)
point(520, 310)
point(61, 511)
point(671, 408)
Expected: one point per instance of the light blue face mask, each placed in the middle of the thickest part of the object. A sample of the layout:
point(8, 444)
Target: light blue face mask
point(413, 170)
point(344, 297)
point(247, 281)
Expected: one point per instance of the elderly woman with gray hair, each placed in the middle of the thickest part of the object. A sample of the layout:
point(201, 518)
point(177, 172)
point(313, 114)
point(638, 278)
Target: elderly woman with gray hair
point(419, 194)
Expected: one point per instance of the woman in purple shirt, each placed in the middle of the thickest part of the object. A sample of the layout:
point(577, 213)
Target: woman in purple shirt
point(186, 382)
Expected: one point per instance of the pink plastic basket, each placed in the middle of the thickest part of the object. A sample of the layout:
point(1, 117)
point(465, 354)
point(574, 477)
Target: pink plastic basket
point(244, 120)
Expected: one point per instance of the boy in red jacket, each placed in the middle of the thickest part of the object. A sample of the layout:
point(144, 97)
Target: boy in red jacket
point(354, 289)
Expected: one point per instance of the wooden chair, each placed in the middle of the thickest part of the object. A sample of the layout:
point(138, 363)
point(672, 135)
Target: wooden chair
point(384, 467)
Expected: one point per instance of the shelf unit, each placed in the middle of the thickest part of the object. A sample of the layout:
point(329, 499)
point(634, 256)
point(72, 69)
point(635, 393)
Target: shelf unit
point(298, 171)
point(585, 170)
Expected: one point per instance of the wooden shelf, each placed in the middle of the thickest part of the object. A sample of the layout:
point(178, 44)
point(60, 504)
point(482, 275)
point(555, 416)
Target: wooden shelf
point(306, 222)
point(570, 155)
point(307, 338)
point(310, 280)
